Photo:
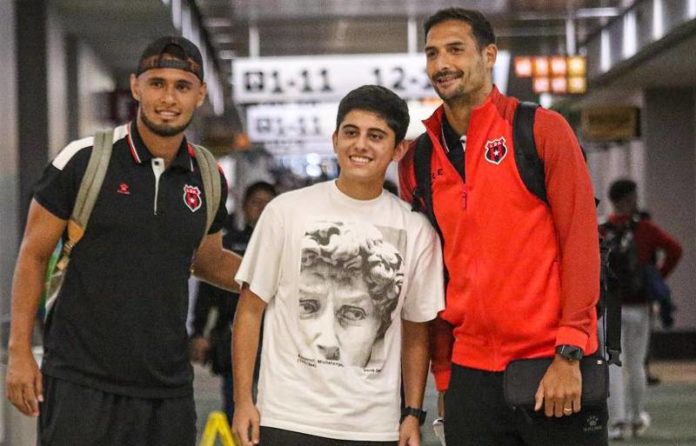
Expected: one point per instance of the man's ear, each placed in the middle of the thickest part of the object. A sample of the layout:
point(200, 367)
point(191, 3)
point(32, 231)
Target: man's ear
point(202, 92)
point(400, 150)
point(491, 54)
point(334, 140)
point(135, 87)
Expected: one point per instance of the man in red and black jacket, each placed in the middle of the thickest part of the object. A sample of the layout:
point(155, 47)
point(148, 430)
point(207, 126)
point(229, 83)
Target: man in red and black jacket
point(632, 228)
point(523, 273)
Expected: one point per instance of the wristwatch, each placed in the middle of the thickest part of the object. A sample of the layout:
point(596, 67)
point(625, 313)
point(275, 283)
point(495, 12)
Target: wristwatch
point(418, 413)
point(569, 352)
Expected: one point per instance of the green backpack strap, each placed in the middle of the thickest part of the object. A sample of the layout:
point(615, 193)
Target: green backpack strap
point(89, 189)
point(211, 183)
point(84, 203)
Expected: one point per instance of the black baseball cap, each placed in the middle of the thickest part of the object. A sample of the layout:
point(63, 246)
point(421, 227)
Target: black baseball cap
point(183, 54)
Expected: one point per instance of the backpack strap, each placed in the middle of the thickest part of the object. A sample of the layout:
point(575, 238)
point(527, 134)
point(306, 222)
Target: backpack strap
point(211, 183)
point(422, 200)
point(529, 165)
point(89, 190)
point(610, 307)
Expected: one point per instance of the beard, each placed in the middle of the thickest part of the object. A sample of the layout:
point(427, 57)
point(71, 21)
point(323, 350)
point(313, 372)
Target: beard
point(163, 130)
point(451, 95)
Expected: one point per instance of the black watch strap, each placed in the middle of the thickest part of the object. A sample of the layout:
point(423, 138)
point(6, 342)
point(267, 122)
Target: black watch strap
point(570, 352)
point(412, 411)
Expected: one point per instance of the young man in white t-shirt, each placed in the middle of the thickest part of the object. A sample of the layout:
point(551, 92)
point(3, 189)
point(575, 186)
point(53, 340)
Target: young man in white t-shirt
point(348, 278)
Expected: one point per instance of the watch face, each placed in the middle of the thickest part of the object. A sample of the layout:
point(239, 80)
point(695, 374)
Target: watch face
point(570, 352)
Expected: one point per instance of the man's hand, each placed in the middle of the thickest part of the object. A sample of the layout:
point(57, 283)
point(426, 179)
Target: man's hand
point(199, 348)
point(560, 388)
point(24, 383)
point(409, 432)
point(245, 424)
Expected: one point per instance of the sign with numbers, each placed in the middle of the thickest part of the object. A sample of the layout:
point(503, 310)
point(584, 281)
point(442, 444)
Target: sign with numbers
point(329, 78)
point(287, 128)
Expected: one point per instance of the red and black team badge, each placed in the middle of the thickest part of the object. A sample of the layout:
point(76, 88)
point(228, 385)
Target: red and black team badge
point(496, 151)
point(192, 197)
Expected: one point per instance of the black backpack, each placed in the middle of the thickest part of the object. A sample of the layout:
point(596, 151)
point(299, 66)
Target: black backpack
point(531, 169)
point(627, 270)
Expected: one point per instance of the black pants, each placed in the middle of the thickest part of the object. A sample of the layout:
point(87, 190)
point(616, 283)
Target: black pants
point(74, 415)
point(476, 415)
point(271, 436)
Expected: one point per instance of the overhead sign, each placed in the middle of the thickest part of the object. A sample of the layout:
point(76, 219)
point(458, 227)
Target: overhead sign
point(329, 78)
point(312, 123)
point(614, 123)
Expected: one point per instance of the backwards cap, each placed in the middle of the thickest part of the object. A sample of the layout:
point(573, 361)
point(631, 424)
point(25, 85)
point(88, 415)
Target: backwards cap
point(184, 55)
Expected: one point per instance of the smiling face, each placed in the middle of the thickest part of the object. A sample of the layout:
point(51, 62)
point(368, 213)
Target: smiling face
point(364, 145)
point(457, 68)
point(168, 98)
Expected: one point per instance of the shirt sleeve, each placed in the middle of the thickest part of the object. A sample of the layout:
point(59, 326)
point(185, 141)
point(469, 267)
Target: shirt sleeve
point(663, 241)
point(571, 199)
point(57, 188)
point(261, 263)
point(221, 215)
point(425, 294)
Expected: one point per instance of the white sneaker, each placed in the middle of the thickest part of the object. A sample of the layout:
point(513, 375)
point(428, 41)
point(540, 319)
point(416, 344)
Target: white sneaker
point(618, 431)
point(642, 425)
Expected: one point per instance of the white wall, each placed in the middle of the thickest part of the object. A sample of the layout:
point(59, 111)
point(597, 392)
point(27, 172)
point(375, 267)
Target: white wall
point(57, 87)
point(95, 82)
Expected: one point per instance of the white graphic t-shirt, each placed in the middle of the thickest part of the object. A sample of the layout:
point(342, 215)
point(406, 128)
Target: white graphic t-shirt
point(339, 275)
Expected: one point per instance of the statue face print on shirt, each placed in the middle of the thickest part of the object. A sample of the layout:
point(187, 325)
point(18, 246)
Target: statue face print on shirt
point(350, 281)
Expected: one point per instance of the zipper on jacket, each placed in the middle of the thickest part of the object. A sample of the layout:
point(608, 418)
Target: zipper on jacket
point(157, 169)
point(465, 196)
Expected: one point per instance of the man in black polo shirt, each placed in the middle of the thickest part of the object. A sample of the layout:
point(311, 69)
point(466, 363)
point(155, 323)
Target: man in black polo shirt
point(116, 369)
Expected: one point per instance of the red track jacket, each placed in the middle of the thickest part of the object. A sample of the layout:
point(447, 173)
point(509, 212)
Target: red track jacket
point(523, 275)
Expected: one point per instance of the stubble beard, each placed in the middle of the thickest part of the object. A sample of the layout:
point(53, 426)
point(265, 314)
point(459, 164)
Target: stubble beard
point(163, 130)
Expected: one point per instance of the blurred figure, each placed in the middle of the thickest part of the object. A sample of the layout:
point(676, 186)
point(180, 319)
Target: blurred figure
point(214, 308)
point(636, 242)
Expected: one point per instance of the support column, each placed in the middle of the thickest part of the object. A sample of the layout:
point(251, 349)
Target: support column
point(32, 89)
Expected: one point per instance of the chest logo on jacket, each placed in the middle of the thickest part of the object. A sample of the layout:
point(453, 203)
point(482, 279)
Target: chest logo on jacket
point(192, 197)
point(496, 151)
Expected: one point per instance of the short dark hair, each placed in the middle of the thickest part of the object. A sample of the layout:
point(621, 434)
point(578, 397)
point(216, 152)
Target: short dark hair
point(381, 101)
point(620, 189)
point(480, 26)
point(259, 186)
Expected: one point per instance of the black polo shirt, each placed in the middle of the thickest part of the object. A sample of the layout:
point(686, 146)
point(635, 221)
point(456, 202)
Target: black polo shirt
point(119, 323)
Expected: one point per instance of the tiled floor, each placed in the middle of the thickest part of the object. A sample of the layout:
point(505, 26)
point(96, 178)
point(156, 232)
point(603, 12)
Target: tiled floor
point(671, 404)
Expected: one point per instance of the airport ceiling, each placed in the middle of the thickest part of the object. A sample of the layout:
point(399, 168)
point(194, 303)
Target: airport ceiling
point(118, 30)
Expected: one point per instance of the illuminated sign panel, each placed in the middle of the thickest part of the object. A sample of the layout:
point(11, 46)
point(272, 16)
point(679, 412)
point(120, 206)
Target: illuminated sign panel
point(329, 78)
point(553, 74)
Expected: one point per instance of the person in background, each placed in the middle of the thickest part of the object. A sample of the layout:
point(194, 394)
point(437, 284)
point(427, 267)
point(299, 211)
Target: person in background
point(523, 274)
point(214, 307)
point(348, 279)
point(641, 278)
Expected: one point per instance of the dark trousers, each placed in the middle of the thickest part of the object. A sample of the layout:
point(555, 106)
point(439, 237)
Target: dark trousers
point(74, 415)
point(271, 436)
point(476, 415)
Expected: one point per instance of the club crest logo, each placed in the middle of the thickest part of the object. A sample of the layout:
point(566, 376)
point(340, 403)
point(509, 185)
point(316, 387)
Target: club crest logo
point(192, 197)
point(496, 151)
